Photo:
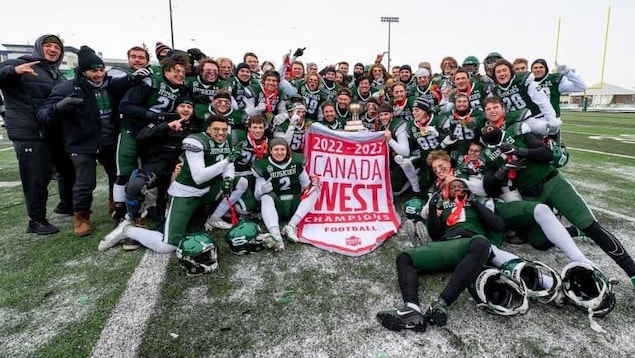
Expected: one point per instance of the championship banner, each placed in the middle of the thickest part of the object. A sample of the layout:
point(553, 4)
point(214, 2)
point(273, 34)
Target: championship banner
point(355, 213)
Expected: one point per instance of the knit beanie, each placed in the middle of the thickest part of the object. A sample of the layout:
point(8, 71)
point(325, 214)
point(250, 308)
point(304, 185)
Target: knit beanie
point(160, 46)
point(240, 66)
point(88, 59)
point(53, 39)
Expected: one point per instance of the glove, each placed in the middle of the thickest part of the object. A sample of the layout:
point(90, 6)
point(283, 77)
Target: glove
point(280, 118)
point(234, 154)
point(564, 69)
point(398, 159)
point(68, 104)
point(299, 52)
point(266, 187)
point(295, 118)
point(431, 132)
point(516, 164)
point(508, 148)
point(522, 128)
point(228, 186)
point(162, 116)
point(448, 141)
point(138, 75)
point(195, 54)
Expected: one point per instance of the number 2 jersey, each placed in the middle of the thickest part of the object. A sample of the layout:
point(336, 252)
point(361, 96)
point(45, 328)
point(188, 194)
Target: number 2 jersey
point(284, 176)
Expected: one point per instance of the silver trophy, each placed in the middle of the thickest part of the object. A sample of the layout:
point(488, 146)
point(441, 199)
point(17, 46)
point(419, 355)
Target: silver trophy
point(354, 124)
point(355, 109)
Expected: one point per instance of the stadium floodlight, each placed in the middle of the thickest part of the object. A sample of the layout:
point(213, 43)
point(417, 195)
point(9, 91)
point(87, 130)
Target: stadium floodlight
point(389, 20)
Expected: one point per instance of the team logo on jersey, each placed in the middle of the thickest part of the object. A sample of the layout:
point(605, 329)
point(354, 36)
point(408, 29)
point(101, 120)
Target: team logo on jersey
point(269, 169)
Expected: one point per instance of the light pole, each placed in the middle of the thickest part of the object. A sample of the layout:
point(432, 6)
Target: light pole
point(172, 26)
point(389, 20)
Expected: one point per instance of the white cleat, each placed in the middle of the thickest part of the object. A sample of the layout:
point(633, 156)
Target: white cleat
point(422, 233)
point(291, 232)
point(274, 242)
point(218, 223)
point(115, 236)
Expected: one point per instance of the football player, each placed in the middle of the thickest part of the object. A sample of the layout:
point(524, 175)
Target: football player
point(206, 177)
point(460, 127)
point(143, 104)
point(330, 120)
point(285, 191)
point(291, 127)
point(538, 180)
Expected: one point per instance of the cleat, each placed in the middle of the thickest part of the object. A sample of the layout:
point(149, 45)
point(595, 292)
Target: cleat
point(422, 233)
point(437, 313)
point(408, 228)
point(402, 318)
point(274, 242)
point(218, 223)
point(115, 236)
point(290, 232)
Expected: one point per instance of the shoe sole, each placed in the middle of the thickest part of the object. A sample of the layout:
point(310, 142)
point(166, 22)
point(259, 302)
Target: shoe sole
point(394, 323)
point(409, 231)
point(421, 233)
point(31, 231)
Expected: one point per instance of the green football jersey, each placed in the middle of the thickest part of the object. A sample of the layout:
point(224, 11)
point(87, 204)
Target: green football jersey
point(337, 125)
point(515, 95)
point(550, 85)
point(468, 218)
point(248, 154)
point(243, 93)
point(405, 110)
point(285, 176)
point(213, 153)
point(202, 94)
point(298, 134)
point(236, 118)
point(424, 139)
point(313, 100)
point(329, 92)
point(476, 93)
point(533, 172)
point(464, 128)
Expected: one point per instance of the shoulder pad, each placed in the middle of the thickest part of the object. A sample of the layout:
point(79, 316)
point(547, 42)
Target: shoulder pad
point(192, 144)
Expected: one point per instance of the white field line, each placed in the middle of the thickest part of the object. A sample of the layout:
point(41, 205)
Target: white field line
point(605, 153)
point(612, 213)
point(5, 149)
point(123, 333)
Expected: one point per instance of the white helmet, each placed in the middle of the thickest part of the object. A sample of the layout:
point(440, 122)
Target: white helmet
point(532, 273)
point(586, 287)
point(500, 294)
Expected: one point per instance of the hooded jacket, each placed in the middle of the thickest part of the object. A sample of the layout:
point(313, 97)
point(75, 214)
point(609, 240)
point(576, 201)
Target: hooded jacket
point(24, 94)
point(83, 129)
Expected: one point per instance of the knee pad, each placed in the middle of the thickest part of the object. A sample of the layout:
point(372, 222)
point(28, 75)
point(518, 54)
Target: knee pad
point(137, 188)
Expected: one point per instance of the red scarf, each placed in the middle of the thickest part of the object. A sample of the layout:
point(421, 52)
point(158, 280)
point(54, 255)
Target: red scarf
point(270, 97)
point(399, 103)
point(455, 215)
point(511, 175)
point(260, 146)
point(476, 163)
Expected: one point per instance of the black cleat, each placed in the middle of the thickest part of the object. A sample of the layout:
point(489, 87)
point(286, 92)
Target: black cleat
point(437, 313)
point(402, 318)
point(41, 227)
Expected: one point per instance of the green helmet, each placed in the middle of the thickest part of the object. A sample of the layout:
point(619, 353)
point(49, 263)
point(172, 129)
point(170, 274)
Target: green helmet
point(245, 238)
point(491, 58)
point(470, 60)
point(560, 153)
point(197, 254)
point(413, 207)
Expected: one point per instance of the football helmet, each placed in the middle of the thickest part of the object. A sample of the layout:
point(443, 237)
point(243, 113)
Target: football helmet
point(499, 294)
point(532, 273)
point(413, 207)
point(471, 61)
point(491, 58)
point(560, 153)
point(587, 288)
point(197, 254)
point(245, 238)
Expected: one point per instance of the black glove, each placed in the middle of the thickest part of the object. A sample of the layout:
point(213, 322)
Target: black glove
point(196, 54)
point(235, 153)
point(299, 52)
point(162, 116)
point(517, 164)
point(228, 186)
point(68, 104)
point(508, 148)
point(138, 75)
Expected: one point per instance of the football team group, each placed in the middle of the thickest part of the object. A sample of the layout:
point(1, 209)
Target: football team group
point(201, 137)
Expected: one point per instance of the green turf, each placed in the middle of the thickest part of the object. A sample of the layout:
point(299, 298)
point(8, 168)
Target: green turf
point(56, 293)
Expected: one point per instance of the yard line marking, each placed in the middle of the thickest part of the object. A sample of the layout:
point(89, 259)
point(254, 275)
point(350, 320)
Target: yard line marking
point(598, 152)
point(612, 213)
point(122, 334)
point(5, 149)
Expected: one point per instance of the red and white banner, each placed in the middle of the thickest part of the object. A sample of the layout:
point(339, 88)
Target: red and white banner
point(355, 213)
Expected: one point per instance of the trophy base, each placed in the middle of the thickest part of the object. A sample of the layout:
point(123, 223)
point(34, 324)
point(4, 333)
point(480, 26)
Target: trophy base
point(354, 126)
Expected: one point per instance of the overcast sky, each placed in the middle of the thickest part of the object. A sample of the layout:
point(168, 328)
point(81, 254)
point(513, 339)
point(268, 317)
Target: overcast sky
point(334, 30)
